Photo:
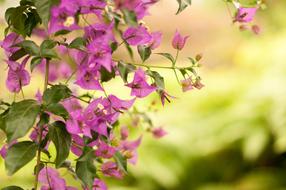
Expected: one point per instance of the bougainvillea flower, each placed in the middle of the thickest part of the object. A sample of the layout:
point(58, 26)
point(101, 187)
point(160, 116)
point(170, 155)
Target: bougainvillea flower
point(88, 80)
point(245, 14)
point(8, 42)
point(51, 179)
point(111, 169)
point(139, 87)
point(187, 84)
point(77, 145)
point(198, 84)
point(63, 17)
point(124, 133)
point(179, 41)
point(17, 76)
point(92, 6)
point(3, 150)
point(156, 40)
point(164, 96)
point(99, 185)
point(119, 104)
point(137, 36)
point(100, 32)
point(100, 53)
point(104, 150)
point(129, 149)
point(158, 132)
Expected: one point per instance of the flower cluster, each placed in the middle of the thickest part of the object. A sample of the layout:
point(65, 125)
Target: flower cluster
point(78, 39)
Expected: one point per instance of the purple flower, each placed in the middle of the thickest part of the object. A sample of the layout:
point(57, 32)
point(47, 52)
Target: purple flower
point(100, 32)
point(92, 6)
point(156, 40)
point(99, 185)
point(124, 133)
point(3, 150)
point(187, 84)
point(137, 36)
point(17, 76)
point(140, 88)
point(179, 41)
point(63, 17)
point(9, 41)
point(104, 150)
point(51, 179)
point(164, 96)
point(129, 148)
point(198, 85)
point(87, 79)
point(245, 14)
point(110, 169)
point(158, 132)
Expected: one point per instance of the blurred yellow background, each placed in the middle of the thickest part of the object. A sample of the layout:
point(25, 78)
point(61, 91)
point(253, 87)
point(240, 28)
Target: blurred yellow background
point(228, 136)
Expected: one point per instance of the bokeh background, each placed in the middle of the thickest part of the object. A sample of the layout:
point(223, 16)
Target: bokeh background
point(231, 135)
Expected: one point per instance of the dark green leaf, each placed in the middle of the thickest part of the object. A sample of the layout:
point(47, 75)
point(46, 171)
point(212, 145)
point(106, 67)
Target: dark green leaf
point(168, 56)
point(144, 52)
point(78, 43)
point(21, 118)
point(105, 75)
point(43, 8)
point(48, 44)
point(56, 93)
point(159, 80)
point(85, 169)
point(62, 32)
point(34, 62)
point(18, 155)
point(58, 109)
point(129, 17)
point(30, 47)
point(62, 141)
point(18, 54)
point(124, 69)
point(121, 161)
point(3, 120)
point(49, 53)
point(12, 188)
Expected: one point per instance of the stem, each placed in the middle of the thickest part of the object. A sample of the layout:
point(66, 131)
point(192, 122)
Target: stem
point(177, 55)
point(41, 130)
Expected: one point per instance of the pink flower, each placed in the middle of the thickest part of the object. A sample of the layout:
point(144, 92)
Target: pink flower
point(51, 180)
point(156, 40)
point(9, 41)
point(245, 14)
point(110, 169)
point(17, 76)
point(3, 151)
point(198, 85)
point(187, 84)
point(139, 87)
point(129, 149)
point(158, 132)
point(124, 133)
point(99, 185)
point(137, 36)
point(179, 41)
point(104, 150)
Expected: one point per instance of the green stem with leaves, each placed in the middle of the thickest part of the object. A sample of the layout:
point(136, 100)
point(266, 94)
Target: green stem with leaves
point(41, 129)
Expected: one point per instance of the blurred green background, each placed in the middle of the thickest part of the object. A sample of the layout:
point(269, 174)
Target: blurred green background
point(228, 136)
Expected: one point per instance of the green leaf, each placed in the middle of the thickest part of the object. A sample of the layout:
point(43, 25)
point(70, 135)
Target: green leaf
point(21, 118)
point(78, 43)
point(12, 188)
point(34, 62)
point(182, 5)
point(85, 168)
point(48, 44)
point(62, 32)
point(43, 8)
point(49, 53)
point(124, 69)
point(105, 75)
point(168, 56)
point(30, 47)
point(144, 52)
point(18, 54)
point(18, 155)
point(56, 93)
point(62, 141)
point(129, 17)
point(159, 80)
point(121, 161)
point(3, 120)
point(58, 109)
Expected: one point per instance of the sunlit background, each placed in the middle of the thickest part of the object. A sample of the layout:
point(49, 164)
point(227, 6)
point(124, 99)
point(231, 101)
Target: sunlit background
point(231, 135)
